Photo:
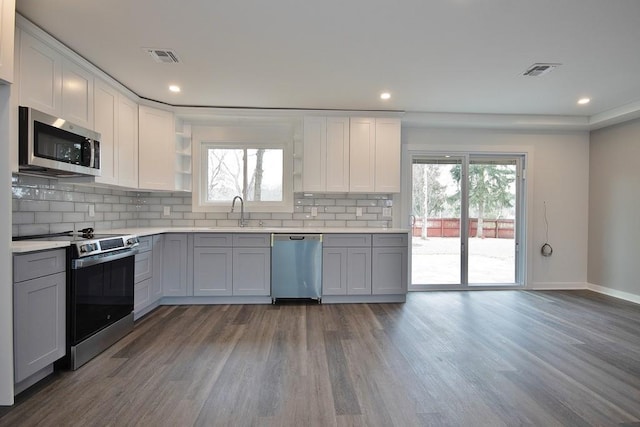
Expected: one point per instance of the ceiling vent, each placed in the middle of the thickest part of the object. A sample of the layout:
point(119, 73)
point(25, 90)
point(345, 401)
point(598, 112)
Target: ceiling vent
point(539, 69)
point(163, 56)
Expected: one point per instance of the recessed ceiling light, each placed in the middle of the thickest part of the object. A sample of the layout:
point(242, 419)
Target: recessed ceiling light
point(174, 88)
point(385, 95)
point(583, 101)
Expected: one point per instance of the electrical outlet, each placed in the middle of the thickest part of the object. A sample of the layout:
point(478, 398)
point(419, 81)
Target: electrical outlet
point(166, 210)
point(358, 211)
point(386, 212)
point(314, 211)
point(92, 210)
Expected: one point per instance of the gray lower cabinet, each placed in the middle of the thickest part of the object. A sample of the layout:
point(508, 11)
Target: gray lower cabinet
point(346, 264)
point(226, 264)
point(175, 257)
point(156, 283)
point(39, 309)
point(212, 271)
point(252, 271)
point(147, 280)
point(389, 259)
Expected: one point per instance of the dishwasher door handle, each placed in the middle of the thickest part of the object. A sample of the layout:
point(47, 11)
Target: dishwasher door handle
point(296, 237)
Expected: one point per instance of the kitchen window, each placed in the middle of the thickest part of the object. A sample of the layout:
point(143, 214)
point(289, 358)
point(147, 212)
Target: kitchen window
point(259, 172)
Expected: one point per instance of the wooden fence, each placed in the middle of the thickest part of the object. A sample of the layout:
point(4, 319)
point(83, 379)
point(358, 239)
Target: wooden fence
point(450, 227)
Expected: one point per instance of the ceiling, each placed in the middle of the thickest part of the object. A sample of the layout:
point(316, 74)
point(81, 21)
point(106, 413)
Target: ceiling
point(433, 56)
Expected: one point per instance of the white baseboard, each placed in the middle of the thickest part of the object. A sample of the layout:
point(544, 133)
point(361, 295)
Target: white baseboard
point(627, 296)
point(557, 286)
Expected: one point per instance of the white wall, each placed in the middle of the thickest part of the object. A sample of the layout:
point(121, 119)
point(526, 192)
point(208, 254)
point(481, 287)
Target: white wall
point(6, 285)
point(557, 172)
point(614, 210)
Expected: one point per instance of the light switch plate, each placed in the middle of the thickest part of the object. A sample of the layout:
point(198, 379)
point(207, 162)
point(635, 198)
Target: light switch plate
point(92, 210)
point(358, 211)
point(386, 212)
point(314, 211)
point(166, 211)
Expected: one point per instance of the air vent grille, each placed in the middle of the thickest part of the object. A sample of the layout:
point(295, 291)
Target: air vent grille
point(163, 56)
point(540, 69)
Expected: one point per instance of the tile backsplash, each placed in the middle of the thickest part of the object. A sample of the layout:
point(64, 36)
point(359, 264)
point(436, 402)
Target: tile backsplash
point(42, 205)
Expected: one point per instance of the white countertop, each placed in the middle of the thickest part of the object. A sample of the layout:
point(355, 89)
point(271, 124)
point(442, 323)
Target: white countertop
point(146, 231)
point(35, 245)
point(39, 245)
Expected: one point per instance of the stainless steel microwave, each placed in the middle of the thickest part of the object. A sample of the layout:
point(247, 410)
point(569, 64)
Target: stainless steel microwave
point(54, 147)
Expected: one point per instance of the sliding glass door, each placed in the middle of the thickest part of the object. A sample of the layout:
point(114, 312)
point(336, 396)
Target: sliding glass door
point(436, 221)
point(466, 220)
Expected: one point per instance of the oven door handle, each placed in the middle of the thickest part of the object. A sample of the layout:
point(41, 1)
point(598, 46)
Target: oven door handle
point(100, 259)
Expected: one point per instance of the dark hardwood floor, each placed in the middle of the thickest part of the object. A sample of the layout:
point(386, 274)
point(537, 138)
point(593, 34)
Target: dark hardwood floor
point(486, 358)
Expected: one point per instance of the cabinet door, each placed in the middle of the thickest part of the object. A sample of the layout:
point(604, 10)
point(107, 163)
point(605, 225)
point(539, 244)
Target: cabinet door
point(337, 165)
point(389, 271)
point(38, 264)
point(314, 159)
point(143, 267)
point(7, 31)
point(387, 156)
point(39, 323)
point(212, 271)
point(334, 271)
point(127, 140)
point(252, 271)
point(77, 94)
point(142, 295)
point(40, 75)
point(105, 107)
point(156, 283)
point(174, 265)
point(359, 271)
point(362, 137)
point(156, 164)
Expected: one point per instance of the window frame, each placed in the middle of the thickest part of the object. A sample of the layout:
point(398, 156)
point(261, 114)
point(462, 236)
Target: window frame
point(205, 138)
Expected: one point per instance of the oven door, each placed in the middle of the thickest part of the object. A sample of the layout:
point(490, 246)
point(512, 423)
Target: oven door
point(101, 294)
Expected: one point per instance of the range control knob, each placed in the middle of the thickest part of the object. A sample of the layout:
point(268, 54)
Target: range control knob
point(132, 241)
point(89, 247)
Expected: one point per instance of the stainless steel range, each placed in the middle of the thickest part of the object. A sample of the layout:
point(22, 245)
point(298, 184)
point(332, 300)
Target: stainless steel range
point(99, 292)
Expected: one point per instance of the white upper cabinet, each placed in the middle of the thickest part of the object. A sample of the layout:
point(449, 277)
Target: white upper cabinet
point(53, 84)
point(314, 161)
point(387, 176)
point(116, 118)
point(337, 154)
point(362, 155)
point(325, 165)
point(156, 167)
point(375, 155)
point(7, 32)
point(77, 94)
point(127, 137)
point(40, 75)
point(106, 114)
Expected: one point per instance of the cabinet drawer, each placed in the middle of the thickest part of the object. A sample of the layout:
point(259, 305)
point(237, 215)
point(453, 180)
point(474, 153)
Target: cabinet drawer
point(141, 295)
point(143, 267)
point(346, 240)
point(145, 244)
point(38, 264)
point(251, 240)
point(390, 240)
point(213, 240)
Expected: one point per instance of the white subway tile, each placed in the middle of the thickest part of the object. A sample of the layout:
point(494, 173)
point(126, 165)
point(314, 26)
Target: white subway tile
point(23, 218)
point(62, 206)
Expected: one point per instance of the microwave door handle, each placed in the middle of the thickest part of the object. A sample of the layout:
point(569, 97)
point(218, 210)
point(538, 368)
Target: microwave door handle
point(92, 153)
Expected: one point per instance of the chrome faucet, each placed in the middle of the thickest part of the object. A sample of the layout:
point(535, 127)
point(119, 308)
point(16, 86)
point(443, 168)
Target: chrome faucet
point(241, 221)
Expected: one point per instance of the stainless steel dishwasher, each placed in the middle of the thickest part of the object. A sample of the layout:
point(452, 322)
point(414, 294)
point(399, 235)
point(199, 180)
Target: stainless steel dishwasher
point(296, 266)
